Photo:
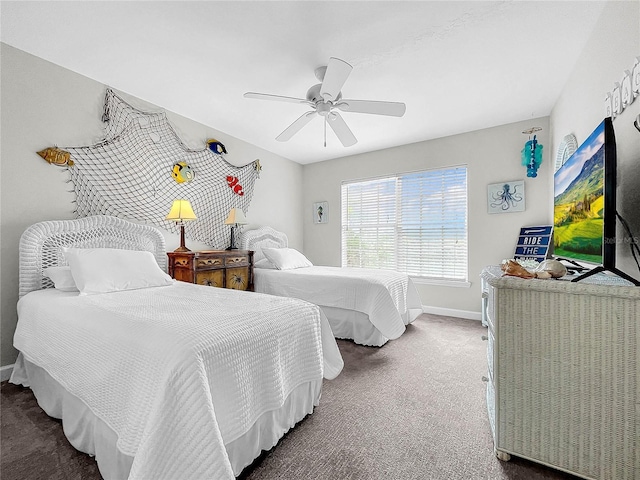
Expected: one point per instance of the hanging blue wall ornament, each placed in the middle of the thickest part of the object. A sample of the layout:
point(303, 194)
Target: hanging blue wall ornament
point(532, 153)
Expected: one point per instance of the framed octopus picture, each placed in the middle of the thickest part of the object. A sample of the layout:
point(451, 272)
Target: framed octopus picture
point(506, 197)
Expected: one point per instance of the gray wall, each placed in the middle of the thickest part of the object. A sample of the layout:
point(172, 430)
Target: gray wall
point(491, 155)
point(44, 104)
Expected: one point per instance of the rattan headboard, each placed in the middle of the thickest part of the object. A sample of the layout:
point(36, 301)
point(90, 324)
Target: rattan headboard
point(40, 244)
point(262, 237)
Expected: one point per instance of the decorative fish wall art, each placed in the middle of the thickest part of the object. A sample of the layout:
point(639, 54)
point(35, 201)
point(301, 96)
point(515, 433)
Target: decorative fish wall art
point(215, 146)
point(56, 156)
point(182, 172)
point(129, 174)
point(234, 185)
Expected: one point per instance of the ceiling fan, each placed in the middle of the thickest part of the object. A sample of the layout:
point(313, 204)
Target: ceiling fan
point(326, 99)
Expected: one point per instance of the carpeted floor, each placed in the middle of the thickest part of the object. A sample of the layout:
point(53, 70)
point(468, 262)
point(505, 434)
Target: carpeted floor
point(413, 409)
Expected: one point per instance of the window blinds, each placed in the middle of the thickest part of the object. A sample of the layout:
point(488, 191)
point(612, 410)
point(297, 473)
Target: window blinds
point(414, 223)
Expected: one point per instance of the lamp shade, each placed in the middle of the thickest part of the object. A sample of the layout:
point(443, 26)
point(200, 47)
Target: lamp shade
point(180, 211)
point(236, 217)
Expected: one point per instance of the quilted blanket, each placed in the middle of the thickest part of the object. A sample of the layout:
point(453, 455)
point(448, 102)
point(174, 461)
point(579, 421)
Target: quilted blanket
point(389, 298)
point(180, 370)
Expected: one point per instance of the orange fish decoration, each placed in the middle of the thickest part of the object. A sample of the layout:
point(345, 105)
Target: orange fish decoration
point(235, 186)
point(56, 156)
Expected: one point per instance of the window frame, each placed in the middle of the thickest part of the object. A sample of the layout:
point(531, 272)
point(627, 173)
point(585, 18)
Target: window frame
point(462, 278)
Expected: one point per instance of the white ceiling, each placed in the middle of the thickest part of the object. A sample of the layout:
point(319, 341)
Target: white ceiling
point(458, 66)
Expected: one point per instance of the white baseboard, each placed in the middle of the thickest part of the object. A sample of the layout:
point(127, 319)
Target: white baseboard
point(5, 372)
point(450, 312)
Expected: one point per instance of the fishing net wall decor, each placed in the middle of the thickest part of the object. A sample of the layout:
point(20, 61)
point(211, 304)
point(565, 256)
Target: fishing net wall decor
point(129, 175)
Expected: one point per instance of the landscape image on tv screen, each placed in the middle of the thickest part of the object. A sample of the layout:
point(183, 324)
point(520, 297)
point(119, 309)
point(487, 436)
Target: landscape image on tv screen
point(579, 202)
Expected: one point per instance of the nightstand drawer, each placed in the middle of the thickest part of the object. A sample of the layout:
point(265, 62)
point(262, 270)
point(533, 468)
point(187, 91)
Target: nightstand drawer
point(237, 278)
point(211, 278)
point(237, 261)
point(208, 261)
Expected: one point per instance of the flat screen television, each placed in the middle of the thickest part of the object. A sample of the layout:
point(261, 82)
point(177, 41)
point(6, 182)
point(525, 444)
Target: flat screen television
point(584, 206)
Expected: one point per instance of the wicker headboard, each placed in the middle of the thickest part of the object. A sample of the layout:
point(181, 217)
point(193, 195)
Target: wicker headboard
point(40, 244)
point(262, 237)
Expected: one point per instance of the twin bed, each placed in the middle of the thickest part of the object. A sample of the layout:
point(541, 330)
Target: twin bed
point(163, 379)
point(368, 306)
point(160, 379)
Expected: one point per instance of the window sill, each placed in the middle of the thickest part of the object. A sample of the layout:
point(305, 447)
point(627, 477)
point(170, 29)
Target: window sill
point(441, 283)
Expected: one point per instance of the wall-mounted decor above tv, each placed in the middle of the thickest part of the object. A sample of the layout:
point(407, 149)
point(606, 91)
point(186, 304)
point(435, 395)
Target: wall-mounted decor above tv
point(584, 206)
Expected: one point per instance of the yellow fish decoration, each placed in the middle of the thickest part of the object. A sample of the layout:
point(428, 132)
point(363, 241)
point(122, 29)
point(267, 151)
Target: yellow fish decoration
point(182, 172)
point(56, 156)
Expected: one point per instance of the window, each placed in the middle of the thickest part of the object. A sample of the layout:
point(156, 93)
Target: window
point(414, 223)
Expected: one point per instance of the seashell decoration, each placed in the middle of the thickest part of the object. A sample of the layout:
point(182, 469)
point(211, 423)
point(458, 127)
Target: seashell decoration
point(514, 269)
point(554, 268)
point(544, 270)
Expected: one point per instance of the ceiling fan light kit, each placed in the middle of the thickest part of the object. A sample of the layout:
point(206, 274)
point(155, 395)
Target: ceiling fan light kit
point(326, 98)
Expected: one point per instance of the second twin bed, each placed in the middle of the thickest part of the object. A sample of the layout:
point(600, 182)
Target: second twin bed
point(369, 306)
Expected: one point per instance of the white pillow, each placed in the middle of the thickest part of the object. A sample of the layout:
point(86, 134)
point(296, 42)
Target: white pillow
point(286, 258)
point(61, 278)
point(264, 263)
point(102, 270)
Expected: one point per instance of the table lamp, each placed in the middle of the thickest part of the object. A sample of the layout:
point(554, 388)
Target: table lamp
point(181, 212)
point(235, 218)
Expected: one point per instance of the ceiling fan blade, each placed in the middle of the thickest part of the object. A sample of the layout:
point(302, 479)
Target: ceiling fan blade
point(338, 125)
point(276, 98)
point(336, 74)
point(394, 109)
point(296, 126)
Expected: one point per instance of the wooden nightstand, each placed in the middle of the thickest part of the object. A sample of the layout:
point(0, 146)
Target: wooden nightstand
point(216, 268)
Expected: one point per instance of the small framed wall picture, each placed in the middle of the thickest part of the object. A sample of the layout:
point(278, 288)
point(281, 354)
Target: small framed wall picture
point(321, 212)
point(506, 197)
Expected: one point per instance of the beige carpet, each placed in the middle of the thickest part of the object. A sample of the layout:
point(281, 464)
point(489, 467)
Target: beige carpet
point(413, 409)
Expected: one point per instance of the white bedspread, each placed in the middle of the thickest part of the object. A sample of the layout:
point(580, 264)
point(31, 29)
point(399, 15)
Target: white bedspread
point(389, 298)
point(177, 371)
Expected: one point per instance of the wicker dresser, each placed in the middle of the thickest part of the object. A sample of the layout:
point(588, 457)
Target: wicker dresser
point(563, 383)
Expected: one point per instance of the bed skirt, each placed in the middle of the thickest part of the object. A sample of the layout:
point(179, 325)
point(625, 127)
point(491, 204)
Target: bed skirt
point(353, 325)
point(356, 326)
point(89, 434)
